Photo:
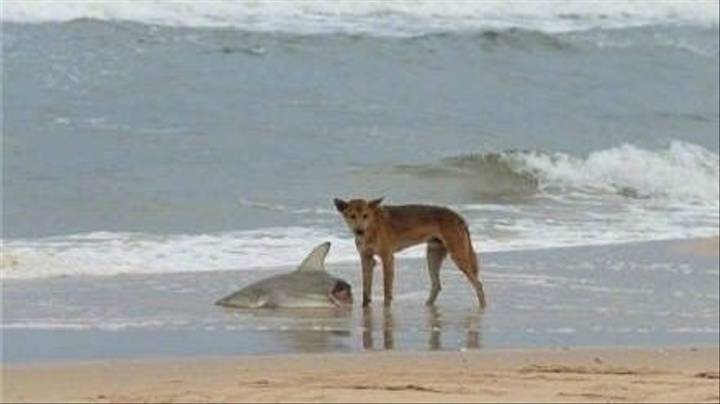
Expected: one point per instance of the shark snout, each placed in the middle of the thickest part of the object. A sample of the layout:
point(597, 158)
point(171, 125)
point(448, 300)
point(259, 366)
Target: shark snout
point(221, 302)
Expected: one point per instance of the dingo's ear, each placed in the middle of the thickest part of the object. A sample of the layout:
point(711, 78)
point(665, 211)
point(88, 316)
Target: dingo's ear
point(376, 202)
point(340, 205)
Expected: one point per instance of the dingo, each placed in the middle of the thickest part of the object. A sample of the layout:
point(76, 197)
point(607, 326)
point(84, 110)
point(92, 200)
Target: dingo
point(383, 230)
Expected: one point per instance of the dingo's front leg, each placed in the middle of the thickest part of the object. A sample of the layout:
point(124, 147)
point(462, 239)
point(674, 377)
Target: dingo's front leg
point(368, 264)
point(388, 262)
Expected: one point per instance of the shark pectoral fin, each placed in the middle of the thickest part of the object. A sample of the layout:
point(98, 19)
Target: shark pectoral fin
point(316, 260)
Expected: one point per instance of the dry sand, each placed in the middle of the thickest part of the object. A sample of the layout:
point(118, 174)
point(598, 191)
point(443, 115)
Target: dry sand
point(590, 375)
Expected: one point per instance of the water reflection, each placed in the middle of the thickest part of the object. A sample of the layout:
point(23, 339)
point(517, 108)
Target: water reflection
point(388, 328)
point(383, 328)
point(436, 323)
point(473, 338)
point(299, 330)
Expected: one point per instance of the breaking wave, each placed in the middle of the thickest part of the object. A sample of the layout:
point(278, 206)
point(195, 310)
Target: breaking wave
point(396, 18)
point(634, 194)
point(681, 173)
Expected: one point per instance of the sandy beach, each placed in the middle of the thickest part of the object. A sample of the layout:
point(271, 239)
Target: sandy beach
point(574, 375)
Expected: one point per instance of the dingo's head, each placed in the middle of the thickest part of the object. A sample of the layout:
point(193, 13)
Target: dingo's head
point(358, 213)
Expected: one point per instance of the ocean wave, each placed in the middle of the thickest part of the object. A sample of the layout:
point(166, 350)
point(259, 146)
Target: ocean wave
point(615, 195)
point(94, 324)
point(105, 253)
point(700, 41)
point(285, 209)
point(491, 175)
point(681, 173)
point(396, 18)
point(112, 253)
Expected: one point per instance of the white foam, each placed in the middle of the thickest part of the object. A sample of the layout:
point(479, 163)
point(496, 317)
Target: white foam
point(105, 253)
point(282, 208)
point(681, 173)
point(93, 324)
point(398, 17)
point(694, 330)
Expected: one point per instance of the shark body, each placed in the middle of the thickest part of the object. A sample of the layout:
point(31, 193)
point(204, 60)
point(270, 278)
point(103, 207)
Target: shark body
point(309, 286)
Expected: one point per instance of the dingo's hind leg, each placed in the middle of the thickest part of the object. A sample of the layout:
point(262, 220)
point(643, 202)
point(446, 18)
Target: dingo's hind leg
point(463, 254)
point(468, 265)
point(436, 253)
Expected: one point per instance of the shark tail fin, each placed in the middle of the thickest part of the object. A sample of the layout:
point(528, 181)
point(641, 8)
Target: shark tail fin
point(316, 260)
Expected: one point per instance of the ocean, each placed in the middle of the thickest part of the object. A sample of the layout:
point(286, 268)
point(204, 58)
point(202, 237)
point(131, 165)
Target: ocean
point(166, 137)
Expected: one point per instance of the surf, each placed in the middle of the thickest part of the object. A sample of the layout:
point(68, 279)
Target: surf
point(397, 18)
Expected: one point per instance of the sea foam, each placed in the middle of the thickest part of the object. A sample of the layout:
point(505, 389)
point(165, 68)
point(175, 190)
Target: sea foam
point(409, 17)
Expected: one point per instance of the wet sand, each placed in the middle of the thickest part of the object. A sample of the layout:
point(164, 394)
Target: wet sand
point(576, 375)
point(707, 247)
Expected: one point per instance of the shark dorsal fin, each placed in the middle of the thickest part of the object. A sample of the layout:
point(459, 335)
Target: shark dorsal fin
point(316, 260)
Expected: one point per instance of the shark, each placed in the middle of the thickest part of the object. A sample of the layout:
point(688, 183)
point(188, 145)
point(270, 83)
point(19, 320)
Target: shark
point(308, 286)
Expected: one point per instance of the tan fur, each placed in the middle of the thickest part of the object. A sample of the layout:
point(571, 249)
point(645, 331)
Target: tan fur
point(383, 230)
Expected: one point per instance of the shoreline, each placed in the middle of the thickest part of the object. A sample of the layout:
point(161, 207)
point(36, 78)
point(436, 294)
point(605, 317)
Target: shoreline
point(635, 295)
point(699, 247)
point(687, 374)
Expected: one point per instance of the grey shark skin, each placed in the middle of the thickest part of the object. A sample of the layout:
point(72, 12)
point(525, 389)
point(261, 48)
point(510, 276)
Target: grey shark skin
point(309, 286)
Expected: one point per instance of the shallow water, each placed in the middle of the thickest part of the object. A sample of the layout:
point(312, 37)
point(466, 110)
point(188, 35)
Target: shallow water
point(635, 294)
